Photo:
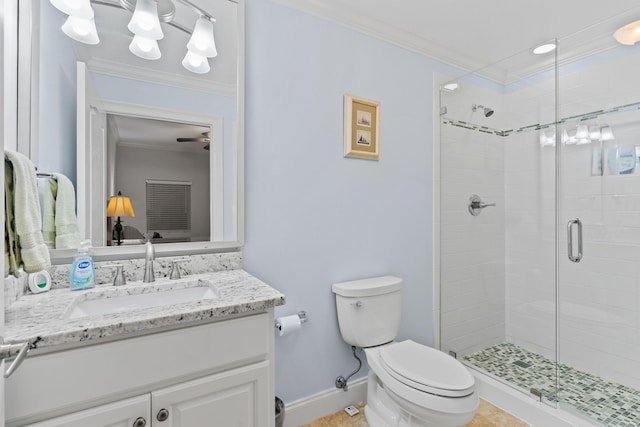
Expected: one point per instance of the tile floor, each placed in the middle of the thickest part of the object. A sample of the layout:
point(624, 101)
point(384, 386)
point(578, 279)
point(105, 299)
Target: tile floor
point(609, 403)
point(486, 416)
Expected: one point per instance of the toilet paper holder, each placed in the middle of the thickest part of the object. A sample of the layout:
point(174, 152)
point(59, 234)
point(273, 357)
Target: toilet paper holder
point(301, 314)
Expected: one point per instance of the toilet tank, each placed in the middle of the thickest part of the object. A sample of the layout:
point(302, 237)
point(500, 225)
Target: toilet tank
point(369, 310)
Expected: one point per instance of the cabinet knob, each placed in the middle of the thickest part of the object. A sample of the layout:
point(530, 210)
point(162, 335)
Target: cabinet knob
point(163, 415)
point(139, 422)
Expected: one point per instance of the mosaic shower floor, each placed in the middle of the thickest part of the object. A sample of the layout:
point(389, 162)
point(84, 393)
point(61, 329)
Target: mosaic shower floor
point(607, 402)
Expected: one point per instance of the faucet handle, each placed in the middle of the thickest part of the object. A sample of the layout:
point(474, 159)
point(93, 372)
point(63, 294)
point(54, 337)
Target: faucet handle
point(175, 270)
point(118, 278)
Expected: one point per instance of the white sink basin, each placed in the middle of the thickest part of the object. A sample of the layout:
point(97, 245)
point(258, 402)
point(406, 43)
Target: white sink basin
point(139, 297)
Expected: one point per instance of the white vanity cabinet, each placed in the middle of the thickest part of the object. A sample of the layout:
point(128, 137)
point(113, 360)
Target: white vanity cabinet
point(229, 399)
point(218, 374)
point(124, 413)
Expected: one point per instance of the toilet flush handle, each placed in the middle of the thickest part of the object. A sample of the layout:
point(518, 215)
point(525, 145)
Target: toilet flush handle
point(357, 304)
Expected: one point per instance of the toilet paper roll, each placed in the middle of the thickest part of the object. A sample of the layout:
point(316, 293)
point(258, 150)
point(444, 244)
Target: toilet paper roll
point(288, 324)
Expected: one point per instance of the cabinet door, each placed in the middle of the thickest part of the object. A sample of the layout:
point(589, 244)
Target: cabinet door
point(134, 412)
point(239, 398)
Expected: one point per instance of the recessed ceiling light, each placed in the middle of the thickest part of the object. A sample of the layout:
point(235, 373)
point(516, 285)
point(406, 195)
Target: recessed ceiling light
point(629, 34)
point(544, 48)
point(451, 86)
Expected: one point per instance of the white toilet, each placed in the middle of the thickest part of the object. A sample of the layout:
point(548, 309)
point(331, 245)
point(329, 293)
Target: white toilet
point(410, 385)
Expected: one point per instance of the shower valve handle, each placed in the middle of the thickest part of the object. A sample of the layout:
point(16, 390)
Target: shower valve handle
point(476, 205)
point(480, 205)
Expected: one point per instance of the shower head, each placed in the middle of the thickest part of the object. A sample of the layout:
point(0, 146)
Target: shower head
point(488, 112)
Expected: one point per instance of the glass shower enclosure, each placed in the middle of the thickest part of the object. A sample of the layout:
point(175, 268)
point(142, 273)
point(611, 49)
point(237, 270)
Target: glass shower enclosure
point(539, 227)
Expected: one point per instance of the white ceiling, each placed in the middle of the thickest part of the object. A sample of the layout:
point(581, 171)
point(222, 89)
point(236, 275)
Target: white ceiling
point(156, 134)
point(474, 34)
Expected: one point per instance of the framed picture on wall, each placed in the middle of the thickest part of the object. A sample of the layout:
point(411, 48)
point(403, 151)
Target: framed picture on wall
point(361, 128)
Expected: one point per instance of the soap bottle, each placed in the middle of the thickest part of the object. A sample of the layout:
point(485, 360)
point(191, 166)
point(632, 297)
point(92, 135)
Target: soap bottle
point(83, 273)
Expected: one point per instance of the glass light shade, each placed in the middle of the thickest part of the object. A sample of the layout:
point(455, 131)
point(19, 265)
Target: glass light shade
point(145, 48)
point(582, 132)
point(144, 21)
point(606, 134)
point(81, 30)
point(76, 8)
point(569, 137)
point(202, 42)
point(543, 139)
point(547, 137)
point(583, 141)
point(120, 206)
point(196, 63)
point(629, 34)
point(594, 132)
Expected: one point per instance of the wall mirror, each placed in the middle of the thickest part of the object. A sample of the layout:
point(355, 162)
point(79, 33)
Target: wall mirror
point(113, 122)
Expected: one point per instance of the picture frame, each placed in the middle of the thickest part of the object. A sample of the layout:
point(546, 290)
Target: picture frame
point(361, 128)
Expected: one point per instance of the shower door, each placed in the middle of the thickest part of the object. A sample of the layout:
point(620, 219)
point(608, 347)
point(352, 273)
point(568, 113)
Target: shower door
point(497, 277)
point(599, 203)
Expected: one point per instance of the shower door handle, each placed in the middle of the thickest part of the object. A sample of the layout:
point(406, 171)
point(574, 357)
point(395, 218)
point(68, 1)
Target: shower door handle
point(570, 224)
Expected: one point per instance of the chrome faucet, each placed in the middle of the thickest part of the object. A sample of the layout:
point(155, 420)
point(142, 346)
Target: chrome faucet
point(149, 256)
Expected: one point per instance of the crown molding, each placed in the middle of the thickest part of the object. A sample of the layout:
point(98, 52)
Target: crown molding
point(596, 43)
point(116, 69)
point(382, 31)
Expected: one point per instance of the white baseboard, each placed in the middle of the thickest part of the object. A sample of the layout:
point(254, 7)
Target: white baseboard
point(326, 402)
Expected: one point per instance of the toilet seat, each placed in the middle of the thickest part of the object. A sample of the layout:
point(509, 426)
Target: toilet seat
point(426, 369)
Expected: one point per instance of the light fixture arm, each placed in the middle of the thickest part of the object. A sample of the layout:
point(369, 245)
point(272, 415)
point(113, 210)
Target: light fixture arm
point(147, 15)
point(198, 10)
point(120, 5)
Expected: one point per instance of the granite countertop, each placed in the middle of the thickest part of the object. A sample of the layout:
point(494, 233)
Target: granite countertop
point(43, 319)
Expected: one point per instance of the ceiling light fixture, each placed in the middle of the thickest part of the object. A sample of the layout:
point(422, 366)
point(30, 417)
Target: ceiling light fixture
point(201, 41)
point(145, 48)
point(606, 134)
point(196, 63)
point(451, 86)
point(628, 34)
point(145, 24)
point(144, 21)
point(544, 48)
point(81, 30)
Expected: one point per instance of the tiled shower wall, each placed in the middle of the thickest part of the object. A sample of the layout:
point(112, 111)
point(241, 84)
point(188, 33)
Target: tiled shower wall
point(472, 248)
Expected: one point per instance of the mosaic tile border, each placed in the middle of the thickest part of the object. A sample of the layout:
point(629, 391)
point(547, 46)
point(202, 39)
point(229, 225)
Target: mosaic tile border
point(609, 403)
point(592, 115)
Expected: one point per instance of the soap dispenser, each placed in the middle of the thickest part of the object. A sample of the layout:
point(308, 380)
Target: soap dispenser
point(83, 273)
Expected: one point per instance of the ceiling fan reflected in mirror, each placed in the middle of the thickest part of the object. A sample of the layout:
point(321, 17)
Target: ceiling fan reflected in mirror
point(205, 138)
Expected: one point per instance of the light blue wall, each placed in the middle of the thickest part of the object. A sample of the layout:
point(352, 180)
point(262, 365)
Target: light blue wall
point(314, 217)
point(57, 108)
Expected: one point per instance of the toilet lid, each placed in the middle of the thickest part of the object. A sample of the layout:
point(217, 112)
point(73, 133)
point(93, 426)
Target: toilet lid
point(426, 369)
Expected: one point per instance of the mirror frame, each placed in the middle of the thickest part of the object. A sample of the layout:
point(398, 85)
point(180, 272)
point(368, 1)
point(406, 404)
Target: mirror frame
point(26, 109)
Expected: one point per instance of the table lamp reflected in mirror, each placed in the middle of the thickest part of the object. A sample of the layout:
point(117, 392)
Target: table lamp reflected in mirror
point(119, 206)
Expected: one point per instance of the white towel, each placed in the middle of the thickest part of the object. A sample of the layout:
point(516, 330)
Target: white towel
point(33, 251)
point(48, 189)
point(66, 221)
